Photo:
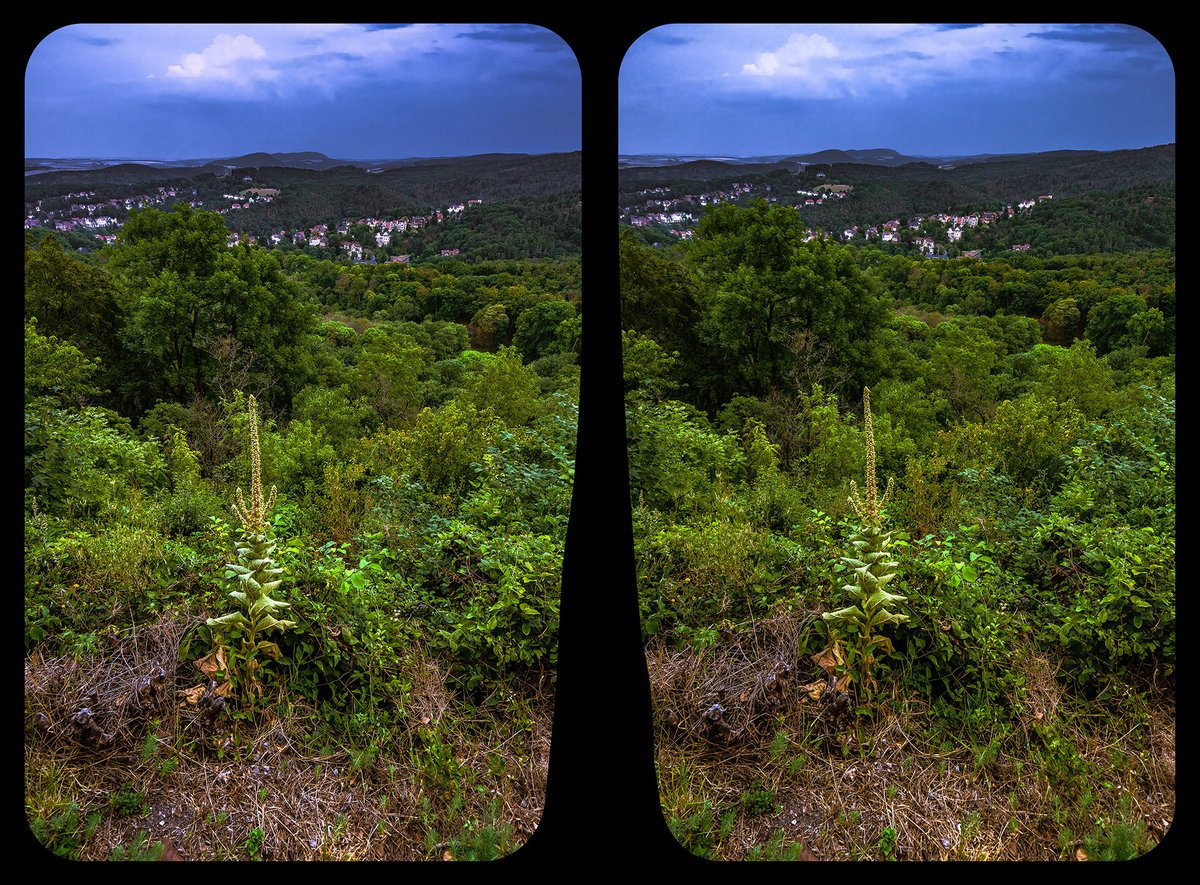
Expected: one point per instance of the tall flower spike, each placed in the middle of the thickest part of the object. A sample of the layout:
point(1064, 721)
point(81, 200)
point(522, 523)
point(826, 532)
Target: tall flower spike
point(255, 516)
point(869, 511)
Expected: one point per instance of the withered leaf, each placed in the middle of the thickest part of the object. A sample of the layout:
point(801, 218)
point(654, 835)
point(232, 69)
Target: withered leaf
point(814, 690)
point(213, 662)
point(829, 659)
point(192, 695)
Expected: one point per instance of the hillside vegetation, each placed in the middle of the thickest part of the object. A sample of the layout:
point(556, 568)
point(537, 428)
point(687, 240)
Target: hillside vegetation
point(905, 542)
point(293, 547)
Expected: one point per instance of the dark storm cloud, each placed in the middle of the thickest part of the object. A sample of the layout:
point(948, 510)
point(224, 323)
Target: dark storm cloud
point(1113, 39)
point(99, 41)
point(172, 92)
point(540, 38)
point(658, 36)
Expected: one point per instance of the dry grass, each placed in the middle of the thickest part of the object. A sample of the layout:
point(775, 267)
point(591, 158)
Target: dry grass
point(738, 736)
point(896, 784)
point(207, 789)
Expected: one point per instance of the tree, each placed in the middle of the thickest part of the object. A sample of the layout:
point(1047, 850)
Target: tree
point(537, 332)
point(72, 300)
point(769, 284)
point(1108, 322)
point(184, 290)
point(75, 455)
point(660, 298)
point(388, 374)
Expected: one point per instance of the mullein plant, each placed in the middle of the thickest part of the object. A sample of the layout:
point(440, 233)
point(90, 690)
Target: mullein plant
point(258, 577)
point(872, 568)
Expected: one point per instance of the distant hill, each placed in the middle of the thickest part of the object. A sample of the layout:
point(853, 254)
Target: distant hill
point(85, 171)
point(122, 174)
point(861, 156)
point(871, 156)
point(1103, 201)
point(301, 160)
point(897, 184)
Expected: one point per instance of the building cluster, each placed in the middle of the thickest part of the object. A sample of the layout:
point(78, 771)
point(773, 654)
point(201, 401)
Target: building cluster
point(94, 216)
point(669, 212)
point(318, 235)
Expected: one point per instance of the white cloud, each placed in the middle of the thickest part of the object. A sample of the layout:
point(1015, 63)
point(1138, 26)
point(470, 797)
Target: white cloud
point(794, 57)
point(222, 60)
point(840, 61)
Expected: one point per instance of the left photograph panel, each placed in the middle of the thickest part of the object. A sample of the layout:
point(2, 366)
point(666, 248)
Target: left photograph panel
point(302, 326)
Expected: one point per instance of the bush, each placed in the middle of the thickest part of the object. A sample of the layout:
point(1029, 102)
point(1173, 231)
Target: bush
point(963, 634)
point(1111, 596)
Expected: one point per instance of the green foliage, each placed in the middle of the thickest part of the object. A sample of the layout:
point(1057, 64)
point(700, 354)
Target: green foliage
point(1112, 595)
point(1109, 322)
point(72, 300)
point(758, 799)
point(140, 849)
point(676, 460)
point(84, 459)
point(502, 384)
point(388, 373)
point(961, 363)
point(537, 329)
point(483, 839)
point(252, 845)
point(1028, 439)
point(56, 371)
point(1076, 375)
point(125, 800)
point(440, 451)
point(769, 285)
point(647, 367)
point(507, 602)
point(203, 317)
point(661, 300)
point(76, 456)
point(1122, 837)
point(832, 448)
point(964, 633)
point(191, 501)
point(886, 844)
point(66, 831)
point(703, 830)
point(342, 419)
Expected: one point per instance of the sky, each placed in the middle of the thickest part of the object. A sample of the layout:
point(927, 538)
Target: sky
point(920, 89)
point(347, 91)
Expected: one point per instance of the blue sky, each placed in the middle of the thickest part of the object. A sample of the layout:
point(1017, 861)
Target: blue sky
point(923, 89)
point(348, 91)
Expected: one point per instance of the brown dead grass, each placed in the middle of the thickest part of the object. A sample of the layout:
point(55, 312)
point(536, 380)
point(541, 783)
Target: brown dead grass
point(207, 788)
point(840, 780)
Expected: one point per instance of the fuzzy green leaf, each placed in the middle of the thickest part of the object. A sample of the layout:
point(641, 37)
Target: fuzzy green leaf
point(233, 619)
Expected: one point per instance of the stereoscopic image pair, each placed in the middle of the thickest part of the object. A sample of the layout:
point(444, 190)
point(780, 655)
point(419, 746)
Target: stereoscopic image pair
point(838, 525)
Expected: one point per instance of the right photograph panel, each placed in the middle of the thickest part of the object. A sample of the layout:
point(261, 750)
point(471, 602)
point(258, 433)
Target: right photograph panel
point(898, 322)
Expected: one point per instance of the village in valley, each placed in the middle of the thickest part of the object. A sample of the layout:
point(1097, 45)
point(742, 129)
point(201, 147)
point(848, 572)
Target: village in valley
point(363, 240)
point(929, 235)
